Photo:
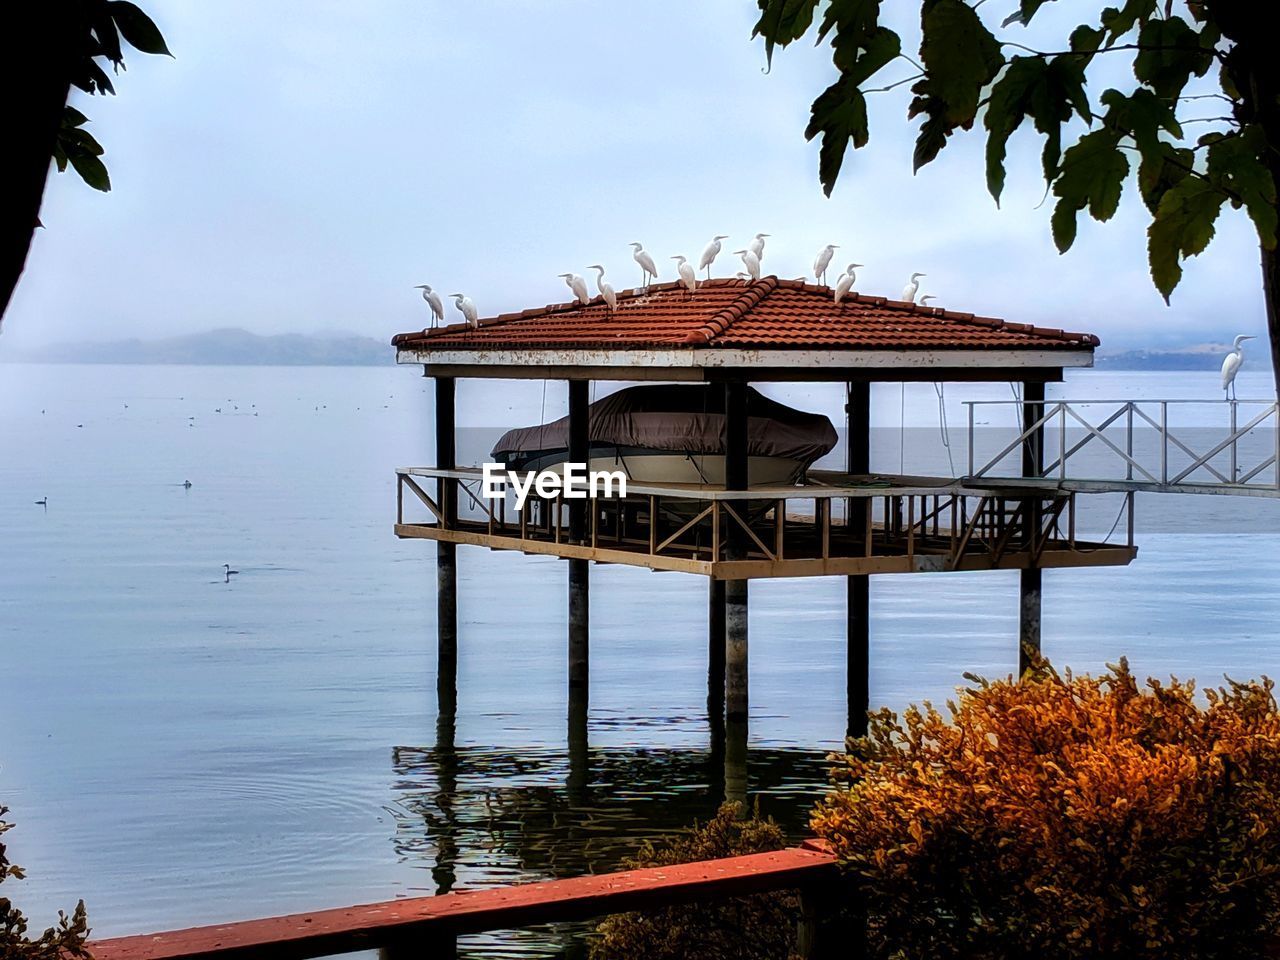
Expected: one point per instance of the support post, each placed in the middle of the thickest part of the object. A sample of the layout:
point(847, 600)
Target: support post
point(858, 635)
point(446, 555)
point(579, 571)
point(1029, 587)
point(736, 478)
point(716, 641)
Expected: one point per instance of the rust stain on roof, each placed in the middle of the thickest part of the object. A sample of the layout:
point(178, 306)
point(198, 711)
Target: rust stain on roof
point(770, 314)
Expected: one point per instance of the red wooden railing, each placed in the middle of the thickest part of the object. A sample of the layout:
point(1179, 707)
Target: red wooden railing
point(428, 927)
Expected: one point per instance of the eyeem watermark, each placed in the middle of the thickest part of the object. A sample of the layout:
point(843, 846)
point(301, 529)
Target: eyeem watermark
point(575, 482)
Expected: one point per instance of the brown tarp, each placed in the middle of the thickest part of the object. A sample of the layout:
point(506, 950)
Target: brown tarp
point(682, 418)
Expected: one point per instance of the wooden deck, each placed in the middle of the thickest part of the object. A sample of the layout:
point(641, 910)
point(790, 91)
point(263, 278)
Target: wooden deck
point(835, 525)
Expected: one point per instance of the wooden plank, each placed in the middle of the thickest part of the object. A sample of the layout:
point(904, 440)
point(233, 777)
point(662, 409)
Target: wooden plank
point(394, 922)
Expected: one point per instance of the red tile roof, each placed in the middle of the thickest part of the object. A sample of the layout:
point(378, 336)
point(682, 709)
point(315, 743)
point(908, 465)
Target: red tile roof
point(770, 314)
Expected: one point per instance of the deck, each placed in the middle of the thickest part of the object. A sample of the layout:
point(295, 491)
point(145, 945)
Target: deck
point(834, 525)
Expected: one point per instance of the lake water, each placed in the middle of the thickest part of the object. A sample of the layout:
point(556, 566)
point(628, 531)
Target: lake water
point(177, 749)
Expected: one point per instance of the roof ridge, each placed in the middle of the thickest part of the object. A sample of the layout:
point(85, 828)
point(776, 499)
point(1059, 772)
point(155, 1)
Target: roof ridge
point(726, 317)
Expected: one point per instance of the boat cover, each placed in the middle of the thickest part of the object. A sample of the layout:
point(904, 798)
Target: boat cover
point(681, 418)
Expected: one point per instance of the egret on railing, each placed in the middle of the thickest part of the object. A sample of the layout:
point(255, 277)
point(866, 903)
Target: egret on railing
point(1231, 366)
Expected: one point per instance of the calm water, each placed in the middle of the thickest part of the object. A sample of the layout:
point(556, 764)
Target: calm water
point(177, 749)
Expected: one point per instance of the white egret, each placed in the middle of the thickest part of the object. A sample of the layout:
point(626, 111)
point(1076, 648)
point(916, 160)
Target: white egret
point(756, 246)
point(1231, 366)
point(577, 285)
point(433, 301)
point(467, 307)
point(709, 255)
point(687, 276)
point(647, 266)
point(824, 260)
point(751, 262)
point(924, 301)
point(912, 288)
point(605, 288)
point(846, 281)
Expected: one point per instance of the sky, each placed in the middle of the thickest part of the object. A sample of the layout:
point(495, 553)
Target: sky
point(299, 166)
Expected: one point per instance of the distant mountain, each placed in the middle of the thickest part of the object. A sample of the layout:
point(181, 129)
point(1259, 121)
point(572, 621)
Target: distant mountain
point(1204, 356)
point(226, 347)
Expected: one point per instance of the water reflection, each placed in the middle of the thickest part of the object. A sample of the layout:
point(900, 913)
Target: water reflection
point(478, 816)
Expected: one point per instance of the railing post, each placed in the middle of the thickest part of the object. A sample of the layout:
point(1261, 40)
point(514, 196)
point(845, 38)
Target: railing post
point(446, 553)
point(1164, 441)
point(972, 438)
point(1128, 442)
point(1235, 470)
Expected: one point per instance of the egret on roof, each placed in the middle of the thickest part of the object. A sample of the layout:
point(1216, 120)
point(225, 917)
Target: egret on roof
point(433, 301)
point(467, 307)
point(577, 285)
point(823, 261)
point(647, 266)
point(709, 255)
point(605, 288)
point(751, 262)
point(912, 288)
point(687, 276)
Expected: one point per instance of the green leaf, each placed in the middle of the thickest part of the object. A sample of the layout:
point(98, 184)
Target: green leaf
point(1119, 22)
point(71, 117)
point(142, 33)
point(1085, 39)
point(1093, 173)
point(1142, 115)
point(930, 141)
point(1161, 170)
point(960, 57)
point(92, 170)
point(104, 29)
point(782, 21)
point(99, 82)
point(1236, 164)
point(1172, 54)
point(1183, 227)
point(1027, 9)
point(861, 59)
point(853, 18)
point(839, 115)
point(1006, 107)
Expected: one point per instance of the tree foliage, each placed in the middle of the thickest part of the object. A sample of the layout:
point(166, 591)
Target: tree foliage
point(971, 71)
point(109, 22)
point(64, 941)
point(760, 927)
point(1061, 817)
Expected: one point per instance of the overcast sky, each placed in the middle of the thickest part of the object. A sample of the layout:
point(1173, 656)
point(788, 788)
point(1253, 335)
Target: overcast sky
point(299, 166)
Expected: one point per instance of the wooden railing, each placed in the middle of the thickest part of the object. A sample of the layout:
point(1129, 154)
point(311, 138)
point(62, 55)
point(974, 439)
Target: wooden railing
point(833, 524)
point(428, 927)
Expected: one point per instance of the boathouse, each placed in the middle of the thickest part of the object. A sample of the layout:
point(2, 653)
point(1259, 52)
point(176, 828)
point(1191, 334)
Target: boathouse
point(853, 523)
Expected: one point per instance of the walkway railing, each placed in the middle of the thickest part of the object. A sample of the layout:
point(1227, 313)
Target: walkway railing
point(835, 524)
point(1171, 446)
point(428, 927)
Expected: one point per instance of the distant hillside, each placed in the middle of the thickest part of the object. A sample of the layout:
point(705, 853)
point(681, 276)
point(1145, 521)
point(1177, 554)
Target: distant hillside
point(1205, 356)
point(230, 346)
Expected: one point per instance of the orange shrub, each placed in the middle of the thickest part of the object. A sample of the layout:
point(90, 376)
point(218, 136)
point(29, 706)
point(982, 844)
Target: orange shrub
point(1067, 817)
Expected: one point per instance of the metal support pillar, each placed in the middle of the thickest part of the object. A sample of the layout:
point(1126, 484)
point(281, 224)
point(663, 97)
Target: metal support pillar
point(446, 555)
point(1029, 589)
point(736, 478)
point(858, 635)
point(579, 571)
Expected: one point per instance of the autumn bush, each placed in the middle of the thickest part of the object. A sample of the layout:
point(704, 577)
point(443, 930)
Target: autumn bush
point(1066, 817)
point(66, 940)
point(759, 927)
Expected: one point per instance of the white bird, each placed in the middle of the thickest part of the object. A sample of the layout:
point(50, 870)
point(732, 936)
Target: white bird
point(433, 301)
point(709, 255)
point(751, 262)
point(911, 289)
point(1231, 366)
point(756, 246)
point(924, 301)
point(846, 281)
point(467, 308)
point(577, 285)
point(649, 268)
point(605, 288)
point(687, 276)
point(824, 260)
